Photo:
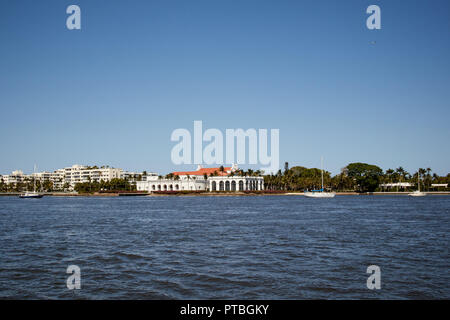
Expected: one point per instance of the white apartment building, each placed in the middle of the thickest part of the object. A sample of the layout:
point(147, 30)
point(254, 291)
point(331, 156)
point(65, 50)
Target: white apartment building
point(15, 177)
point(56, 177)
point(70, 176)
point(132, 177)
point(80, 174)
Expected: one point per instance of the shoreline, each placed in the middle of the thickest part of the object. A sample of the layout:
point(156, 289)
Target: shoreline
point(216, 194)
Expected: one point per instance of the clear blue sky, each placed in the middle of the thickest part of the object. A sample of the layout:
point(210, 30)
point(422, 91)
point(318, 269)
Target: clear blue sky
point(113, 92)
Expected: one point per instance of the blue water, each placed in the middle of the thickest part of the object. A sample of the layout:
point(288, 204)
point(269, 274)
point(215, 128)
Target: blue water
point(272, 247)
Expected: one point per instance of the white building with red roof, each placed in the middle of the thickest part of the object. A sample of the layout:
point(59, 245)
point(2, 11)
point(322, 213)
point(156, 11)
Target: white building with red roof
point(202, 179)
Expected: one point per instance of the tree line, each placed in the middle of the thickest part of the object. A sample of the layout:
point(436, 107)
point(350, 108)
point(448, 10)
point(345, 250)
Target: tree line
point(116, 184)
point(359, 177)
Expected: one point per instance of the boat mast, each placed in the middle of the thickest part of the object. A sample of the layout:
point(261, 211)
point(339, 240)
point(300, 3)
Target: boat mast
point(321, 164)
point(34, 179)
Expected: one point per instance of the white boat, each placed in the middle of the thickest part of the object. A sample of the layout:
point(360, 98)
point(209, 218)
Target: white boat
point(321, 193)
point(417, 193)
point(31, 194)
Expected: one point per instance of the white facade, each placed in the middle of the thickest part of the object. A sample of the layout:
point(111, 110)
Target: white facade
point(15, 177)
point(215, 180)
point(225, 183)
point(80, 174)
point(155, 183)
point(70, 175)
point(236, 183)
point(397, 184)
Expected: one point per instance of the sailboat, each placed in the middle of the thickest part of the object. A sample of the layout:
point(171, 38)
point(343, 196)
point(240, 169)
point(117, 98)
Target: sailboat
point(321, 193)
point(417, 193)
point(33, 194)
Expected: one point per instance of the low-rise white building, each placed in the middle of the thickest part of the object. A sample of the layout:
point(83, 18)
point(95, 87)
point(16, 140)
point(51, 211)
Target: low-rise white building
point(203, 179)
point(397, 184)
point(236, 183)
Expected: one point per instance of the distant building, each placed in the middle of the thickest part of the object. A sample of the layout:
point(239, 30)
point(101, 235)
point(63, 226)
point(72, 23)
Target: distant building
point(397, 184)
point(70, 176)
point(15, 177)
point(81, 174)
point(439, 185)
point(216, 180)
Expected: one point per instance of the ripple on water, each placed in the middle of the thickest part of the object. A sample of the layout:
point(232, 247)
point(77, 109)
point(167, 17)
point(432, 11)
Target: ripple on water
point(225, 247)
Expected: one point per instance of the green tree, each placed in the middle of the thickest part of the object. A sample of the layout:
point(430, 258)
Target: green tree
point(367, 176)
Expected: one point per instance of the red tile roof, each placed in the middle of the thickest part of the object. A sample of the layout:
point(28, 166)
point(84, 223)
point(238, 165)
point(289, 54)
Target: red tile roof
point(202, 171)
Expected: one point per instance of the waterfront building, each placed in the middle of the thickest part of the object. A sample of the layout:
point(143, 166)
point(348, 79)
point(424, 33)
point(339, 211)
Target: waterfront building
point(131, 177)
point(397, 184)
point(15, 177)
point(203, 179)
point(81, 174)
point(235, 183)
point(56, 177)
point(148, 175)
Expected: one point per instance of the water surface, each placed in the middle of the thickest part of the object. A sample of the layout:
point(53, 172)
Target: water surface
point(263, 247)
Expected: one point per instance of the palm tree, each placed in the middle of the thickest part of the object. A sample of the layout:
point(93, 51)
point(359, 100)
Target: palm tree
point(169, 176)
point(388, 175)
point(421, 172)
point(188, 177)
point(428, 178)
point(400, 173)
